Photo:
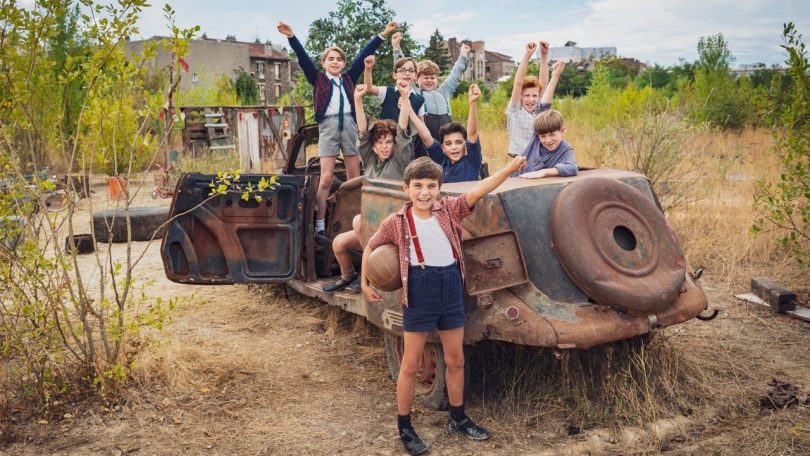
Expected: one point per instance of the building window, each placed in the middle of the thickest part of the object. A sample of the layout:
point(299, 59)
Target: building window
point(261, 70)
point(193, 77)
point(261, 91)
point(278, 91)
point(278, 71)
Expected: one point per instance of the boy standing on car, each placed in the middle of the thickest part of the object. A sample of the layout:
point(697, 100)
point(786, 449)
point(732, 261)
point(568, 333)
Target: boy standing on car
point(428, 234)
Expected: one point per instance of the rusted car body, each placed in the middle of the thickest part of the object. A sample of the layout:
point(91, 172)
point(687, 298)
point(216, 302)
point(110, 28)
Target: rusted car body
point(518, 290)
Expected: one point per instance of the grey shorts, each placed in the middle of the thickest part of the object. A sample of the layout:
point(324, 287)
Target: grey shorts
point(331, 140)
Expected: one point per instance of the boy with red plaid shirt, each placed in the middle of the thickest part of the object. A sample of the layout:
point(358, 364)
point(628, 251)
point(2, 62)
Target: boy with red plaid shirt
point(428, 234)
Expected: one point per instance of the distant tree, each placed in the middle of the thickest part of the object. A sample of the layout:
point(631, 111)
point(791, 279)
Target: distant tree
point(351, 25)
point(247, 91)
point(715, 98)
point(573, 82)
point(436, 51)
point(619, 71)
point(656, 76)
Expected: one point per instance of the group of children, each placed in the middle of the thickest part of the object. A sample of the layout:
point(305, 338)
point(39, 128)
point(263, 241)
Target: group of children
point(416, 141)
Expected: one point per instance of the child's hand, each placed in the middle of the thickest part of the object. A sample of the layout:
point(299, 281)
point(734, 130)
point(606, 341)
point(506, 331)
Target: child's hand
point(530, 48)
point(370, 294)
point(369, 61)
point(557, 68)
point(404, 88)
point(396, 40)
point(465, 49)
point(285, 30)
point(544, 48)
point(390, 27)
point(539, 174)
point(359, 91)
point(517, 163)
point(475, 93)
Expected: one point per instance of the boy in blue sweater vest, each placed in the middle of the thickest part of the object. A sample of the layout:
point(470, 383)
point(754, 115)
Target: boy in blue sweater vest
point(334, 109)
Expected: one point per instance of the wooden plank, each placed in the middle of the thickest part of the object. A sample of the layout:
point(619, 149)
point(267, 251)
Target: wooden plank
point(802, 313)
point(778, 297)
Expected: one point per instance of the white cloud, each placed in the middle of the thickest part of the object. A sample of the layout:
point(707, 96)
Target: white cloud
point(451, 25)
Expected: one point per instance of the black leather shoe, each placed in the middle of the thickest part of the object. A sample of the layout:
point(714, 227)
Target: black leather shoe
point(466, 426)
point(338, 285)
point(412, 442)
point(354, 287)
point(321, 239)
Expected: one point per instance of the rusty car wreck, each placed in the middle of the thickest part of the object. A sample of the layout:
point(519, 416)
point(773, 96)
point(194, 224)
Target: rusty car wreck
point(567, 263)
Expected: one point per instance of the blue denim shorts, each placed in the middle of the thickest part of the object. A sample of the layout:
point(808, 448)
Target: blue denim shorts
point(435, 299)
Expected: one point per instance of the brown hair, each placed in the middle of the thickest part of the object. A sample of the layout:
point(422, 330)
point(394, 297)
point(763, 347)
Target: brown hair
point(382, 128)
point(530, 82)
point(548, 122)
point(332, 48)
point(427, 67)
point(423, 168)
point(452, 127)
point(402, 61)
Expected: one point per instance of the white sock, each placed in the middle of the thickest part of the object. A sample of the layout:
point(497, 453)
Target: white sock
point(320, 225)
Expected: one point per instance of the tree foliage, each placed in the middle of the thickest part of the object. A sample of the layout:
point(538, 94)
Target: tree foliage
point(351, 25)
point(436, 52)
point(247, 91)
point(785, 206)
point(715, 98)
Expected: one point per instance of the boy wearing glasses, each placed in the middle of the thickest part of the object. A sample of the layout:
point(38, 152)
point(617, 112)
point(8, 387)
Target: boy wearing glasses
point(404, 72)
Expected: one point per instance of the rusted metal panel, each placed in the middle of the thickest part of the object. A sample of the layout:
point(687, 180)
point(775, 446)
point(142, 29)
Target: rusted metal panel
point(493, 262)
point(225, 239)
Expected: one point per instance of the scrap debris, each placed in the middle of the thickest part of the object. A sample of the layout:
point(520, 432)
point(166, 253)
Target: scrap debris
point(768, 293)
point(781, 395)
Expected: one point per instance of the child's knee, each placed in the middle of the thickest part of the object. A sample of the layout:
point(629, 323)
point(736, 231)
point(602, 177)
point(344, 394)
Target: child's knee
point(356, 223)
point(408, 369)
point(454, 360)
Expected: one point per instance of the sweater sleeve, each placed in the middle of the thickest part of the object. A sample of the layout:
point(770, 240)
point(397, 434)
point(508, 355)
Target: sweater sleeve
point(403, 148)
point(567, 165)
point(358, 66)
point(310, 71)
point(450, 84)
point(364, 147)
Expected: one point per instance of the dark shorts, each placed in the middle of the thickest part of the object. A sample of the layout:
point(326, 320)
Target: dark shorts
point(435, 299)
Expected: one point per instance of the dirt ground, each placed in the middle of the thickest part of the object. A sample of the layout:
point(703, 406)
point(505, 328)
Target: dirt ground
point(256, 371)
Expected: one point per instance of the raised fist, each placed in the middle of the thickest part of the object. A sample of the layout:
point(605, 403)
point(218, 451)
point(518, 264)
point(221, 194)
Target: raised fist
point(557, 68)
point(390, 27)
point(396, 40)
point(370, 61)
point(475, 93)
point(285, 29)
point(544, 47)
point(360, 90)
point(530, 48)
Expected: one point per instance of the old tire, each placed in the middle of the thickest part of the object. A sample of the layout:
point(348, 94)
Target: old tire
point(111, 225)
point(616, 245)
point(431, 389)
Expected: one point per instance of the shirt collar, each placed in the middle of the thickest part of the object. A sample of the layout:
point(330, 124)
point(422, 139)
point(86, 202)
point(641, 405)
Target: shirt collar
point(437, 206)
point(337, 78)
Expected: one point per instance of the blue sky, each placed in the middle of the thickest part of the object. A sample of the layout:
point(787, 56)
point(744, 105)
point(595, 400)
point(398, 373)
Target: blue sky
point(652, 31)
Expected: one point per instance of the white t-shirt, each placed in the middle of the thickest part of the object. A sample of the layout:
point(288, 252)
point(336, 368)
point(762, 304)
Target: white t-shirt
point(435, 246)
point(384, 90)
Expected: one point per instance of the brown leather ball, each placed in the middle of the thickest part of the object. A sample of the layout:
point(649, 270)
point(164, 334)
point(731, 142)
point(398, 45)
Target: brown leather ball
point(383, 268)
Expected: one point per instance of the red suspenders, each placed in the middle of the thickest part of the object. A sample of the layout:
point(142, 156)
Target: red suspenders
point(415, 238)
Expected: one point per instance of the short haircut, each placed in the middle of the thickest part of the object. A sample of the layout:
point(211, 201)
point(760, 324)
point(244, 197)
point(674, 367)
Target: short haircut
point(423, 168)
point(332, 48)
point(402, 61)
point(452, 127)
point(382, 128)
point(530, 82)
point(427, 67)
point(548, 122)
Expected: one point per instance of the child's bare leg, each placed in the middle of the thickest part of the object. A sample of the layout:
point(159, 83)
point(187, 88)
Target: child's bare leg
point(411, 358)
point(341, 245)
point(327, 174)
point(452, 344)
point(352, 166)
point(356, 230)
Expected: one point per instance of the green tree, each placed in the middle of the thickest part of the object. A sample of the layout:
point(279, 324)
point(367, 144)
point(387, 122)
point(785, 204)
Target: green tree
point(656, 76)
point(351, 25)
point(436, 52)
point(247, 91)
point(715, 98)
point(785, 206)
point(573, 82)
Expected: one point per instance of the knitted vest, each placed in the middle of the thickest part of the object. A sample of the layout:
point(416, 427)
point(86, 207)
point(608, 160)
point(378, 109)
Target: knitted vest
point(389, 108)
point(322, 93)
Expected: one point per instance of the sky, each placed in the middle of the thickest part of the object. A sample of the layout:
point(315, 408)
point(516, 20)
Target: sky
point(653, 31)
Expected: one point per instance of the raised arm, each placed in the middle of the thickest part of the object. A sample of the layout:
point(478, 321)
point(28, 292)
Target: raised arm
point(307, 65)
point(543, 65)
point(472, 120)
point(358, 64)
point(396, 44)
point(421, 129)
point(520, 75)
point(449, 86)
point(492, 182)
point(362, 122)
point(556, 72)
